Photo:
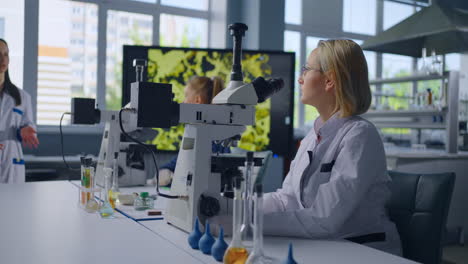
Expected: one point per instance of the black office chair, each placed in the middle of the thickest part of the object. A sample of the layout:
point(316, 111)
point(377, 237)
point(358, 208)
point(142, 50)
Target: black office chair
point(419, 208)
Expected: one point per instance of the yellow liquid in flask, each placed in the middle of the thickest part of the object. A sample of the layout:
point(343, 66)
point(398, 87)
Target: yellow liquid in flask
point(235, 256)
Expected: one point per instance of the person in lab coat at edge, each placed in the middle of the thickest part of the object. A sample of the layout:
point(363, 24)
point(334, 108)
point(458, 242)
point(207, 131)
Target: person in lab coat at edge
point(16, 125)
point(337, 183)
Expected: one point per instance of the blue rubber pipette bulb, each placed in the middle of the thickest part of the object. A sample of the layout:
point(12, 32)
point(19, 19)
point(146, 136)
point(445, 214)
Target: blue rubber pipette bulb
point(290, 259)
point(206, 241)
point(219, 247)
point(195, 236)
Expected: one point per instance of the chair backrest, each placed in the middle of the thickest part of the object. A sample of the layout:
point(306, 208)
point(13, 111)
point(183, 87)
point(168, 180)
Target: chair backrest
point(419, 207)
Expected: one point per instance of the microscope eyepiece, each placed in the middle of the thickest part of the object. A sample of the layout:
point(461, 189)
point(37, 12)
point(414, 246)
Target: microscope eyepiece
point(237, 29)
point(140, 62)
point(266, 88)
point(139, 65)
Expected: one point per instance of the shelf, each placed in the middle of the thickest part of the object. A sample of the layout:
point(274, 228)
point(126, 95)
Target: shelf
point(403, 113)
point(408, 79)
point(409, 125)
point(446, 118)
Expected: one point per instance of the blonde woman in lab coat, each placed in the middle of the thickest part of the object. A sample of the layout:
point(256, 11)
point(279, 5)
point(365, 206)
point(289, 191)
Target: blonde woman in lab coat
point(16, 125)
point(337, 183)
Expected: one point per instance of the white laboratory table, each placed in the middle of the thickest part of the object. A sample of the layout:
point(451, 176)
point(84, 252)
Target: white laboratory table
point(42, 223)
point(305, 250)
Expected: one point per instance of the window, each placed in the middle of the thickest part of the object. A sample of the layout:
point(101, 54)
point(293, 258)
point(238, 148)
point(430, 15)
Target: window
point(293, 12)
point(76, 10)
point(359, 16)
point(180, 31)
point(192, 4)
point(393, 94)
point(78, 42)
point(311, 44)
point(123, 21)
point(11, 29)
point(371, 58)
point(63, 64)
point(396, 65)
point(68, 64)
point(123, 28)
point(310, 112)
point(292, 43)
point(77, 26)
point(394, 13)
point(452, 62)
point(2, 27)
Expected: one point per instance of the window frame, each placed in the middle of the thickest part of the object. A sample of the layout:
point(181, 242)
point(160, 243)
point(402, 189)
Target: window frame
point(306, 30)
point(31, 42)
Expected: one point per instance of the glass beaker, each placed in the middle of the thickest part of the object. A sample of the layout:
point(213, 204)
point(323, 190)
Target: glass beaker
point(436, 65)
point(236, 252)
point(246, 226)
point(425, 66)
point(143, 202)
point(106, 210)
point(87, 172)
point(257, 256)
point(115, 191)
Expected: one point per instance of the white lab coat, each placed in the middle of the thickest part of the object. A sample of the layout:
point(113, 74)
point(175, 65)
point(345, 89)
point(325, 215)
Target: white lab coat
point(12, 119)
point(339, 199)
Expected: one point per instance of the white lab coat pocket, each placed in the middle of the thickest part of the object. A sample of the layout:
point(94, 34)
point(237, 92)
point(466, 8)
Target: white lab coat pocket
point(323, 177)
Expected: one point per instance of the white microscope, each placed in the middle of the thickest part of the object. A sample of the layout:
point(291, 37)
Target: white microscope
point(147, 98)
point(200, 176)
point(195, 178)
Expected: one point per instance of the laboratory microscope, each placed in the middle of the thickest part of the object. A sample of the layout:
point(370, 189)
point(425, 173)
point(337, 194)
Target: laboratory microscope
point(198, 176)
point(201, 184)
point(147, 98)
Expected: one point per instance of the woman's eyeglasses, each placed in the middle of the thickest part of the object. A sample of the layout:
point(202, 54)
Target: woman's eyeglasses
point(305, 69)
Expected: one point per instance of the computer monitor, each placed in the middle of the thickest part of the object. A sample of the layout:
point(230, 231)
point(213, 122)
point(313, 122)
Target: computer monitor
point(273, 129)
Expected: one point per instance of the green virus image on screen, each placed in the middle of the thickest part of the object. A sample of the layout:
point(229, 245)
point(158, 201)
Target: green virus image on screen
point(273, 128)
point(178, 66)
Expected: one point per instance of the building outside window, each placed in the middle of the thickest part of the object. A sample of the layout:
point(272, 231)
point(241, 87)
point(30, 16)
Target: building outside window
point(123, 28)
point(12, 30)
point(193, 4)
point(358, 23)
point(64, 65)
point(68, 63)
point(180, 31)
point(359, 16)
